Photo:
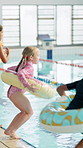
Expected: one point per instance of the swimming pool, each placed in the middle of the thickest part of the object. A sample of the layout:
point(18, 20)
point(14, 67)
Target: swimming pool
point(31, 131)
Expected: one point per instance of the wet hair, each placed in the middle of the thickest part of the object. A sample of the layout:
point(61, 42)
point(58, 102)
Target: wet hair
point(1, 27)
point(27, 52)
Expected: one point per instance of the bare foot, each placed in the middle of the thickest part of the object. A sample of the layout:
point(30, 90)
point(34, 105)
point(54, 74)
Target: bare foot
point(12, 135)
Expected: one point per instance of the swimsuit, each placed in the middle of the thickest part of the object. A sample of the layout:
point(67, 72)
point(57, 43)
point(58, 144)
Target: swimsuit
point(22, 74)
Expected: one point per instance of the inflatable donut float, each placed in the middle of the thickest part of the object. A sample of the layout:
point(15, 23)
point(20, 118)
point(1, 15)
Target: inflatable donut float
point(55, 118)
point(43, 90)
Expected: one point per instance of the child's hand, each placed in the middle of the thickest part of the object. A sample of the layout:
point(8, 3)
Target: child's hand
point(7, 50)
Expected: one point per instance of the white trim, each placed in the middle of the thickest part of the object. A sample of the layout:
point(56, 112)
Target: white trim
point(42, 2)
point(64, 129)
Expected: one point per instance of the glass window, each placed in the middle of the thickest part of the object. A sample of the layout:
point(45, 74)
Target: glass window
point(28, 18)
point(64, 25)
point(46, 20)
point(11, 25)
point(77, 23)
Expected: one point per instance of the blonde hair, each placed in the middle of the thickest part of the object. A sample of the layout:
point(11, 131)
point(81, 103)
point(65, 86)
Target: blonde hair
point(27, 52)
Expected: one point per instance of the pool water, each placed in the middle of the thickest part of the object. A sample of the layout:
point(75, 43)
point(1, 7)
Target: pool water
point(31, 131)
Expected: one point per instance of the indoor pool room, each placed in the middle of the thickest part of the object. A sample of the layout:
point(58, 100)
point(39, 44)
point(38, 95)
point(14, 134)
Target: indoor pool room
point(41, 50)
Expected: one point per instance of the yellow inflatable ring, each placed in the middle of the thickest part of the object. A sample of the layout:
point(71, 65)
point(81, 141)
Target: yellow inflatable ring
point(43, 89)
point(55, 118)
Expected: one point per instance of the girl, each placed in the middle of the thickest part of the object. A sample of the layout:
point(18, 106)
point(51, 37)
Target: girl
point(24, 70)
point(4, 55)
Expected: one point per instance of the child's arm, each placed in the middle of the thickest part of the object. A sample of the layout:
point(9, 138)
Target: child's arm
point(7, 52)
point(4, 55)
point(21, 76)
point(24, 73)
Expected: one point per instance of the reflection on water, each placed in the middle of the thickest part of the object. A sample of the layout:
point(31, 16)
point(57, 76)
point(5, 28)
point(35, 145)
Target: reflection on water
point(61, 73)
point(3, 102)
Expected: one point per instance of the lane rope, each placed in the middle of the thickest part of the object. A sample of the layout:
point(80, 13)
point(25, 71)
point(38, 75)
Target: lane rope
point(51, 61)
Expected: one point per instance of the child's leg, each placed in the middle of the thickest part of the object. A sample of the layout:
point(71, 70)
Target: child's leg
point(23, 104)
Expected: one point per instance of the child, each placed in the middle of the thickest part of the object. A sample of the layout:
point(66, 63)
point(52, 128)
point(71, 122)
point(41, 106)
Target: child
point(4, 55)
point(77, 102)
point(24, 70)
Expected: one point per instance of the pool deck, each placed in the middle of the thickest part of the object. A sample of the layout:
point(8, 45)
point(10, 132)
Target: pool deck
point(6, 142)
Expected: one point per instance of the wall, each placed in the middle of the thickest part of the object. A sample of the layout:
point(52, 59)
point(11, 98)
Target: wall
point(38, 2)
point(49, 2)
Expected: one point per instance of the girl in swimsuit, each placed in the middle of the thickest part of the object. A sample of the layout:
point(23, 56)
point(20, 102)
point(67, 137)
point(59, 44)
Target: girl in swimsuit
point(24, 70)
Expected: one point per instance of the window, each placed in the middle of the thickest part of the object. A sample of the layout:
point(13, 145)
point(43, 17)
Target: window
point(77, 25)
point(11, 24)
point(28, 25)
point(64, 25)
point(47, 21)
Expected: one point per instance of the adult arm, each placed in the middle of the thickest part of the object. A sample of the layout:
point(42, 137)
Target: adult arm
point(61, 90)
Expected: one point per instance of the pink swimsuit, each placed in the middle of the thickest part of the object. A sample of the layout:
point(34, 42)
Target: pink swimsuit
point(22, 74)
